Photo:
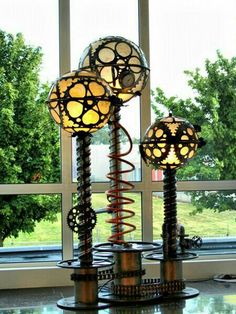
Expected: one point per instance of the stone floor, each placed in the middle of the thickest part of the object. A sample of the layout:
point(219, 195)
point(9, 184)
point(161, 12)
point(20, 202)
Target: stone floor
point(214, 298)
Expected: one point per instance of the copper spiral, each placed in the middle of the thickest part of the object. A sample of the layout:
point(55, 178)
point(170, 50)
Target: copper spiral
point(86, 215)
point(118, 185)
point(169, 228)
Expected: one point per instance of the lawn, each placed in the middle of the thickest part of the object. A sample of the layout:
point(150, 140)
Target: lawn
point(206, 224)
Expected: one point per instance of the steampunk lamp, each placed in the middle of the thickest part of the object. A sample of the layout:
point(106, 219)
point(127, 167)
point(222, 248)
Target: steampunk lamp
point(80, 103)
point(123, 65)
point(168, 144)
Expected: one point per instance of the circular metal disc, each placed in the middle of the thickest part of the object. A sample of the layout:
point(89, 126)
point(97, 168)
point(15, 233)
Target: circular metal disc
point(180, 257)
point(106, 296)
point(70, 304)
point(184, 294)
point(75, 263)
point(132, 246)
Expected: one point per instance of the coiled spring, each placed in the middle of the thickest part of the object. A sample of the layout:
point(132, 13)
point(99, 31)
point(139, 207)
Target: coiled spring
point(118, 185)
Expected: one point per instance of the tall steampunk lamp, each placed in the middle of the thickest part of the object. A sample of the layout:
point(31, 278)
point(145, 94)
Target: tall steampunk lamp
point(123, 65)
point(168, 144)
point(80, 103)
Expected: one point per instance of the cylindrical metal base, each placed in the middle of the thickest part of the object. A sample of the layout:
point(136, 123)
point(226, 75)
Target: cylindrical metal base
point(71, 305)
point(85, 286)
point(171, 270)
point(126, 262)
point(86, 290)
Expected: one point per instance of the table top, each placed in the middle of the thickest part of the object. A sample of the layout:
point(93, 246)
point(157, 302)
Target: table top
point(214, 298)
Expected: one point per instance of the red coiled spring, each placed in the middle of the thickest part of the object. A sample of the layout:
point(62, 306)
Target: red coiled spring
point(118, 185)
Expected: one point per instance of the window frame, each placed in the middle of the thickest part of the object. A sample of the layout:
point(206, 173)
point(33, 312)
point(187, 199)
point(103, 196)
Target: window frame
point(47, 273)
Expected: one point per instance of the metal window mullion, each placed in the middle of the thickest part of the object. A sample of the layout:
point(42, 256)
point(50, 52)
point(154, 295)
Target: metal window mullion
point(225, 185)
point(145, 112)
point(66, 145)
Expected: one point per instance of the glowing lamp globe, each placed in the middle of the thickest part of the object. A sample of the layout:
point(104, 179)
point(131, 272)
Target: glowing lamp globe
point(120, 62)
point(80, 101)
point(169, 143)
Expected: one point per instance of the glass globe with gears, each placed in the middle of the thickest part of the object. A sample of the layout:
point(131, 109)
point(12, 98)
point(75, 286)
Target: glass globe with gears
point(170, 142)
point(80, 101)
point(120, 62)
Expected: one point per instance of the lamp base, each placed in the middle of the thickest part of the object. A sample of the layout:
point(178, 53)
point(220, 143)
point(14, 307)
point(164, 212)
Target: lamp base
point(107, 296)
point(71, 305)
point(186, 293)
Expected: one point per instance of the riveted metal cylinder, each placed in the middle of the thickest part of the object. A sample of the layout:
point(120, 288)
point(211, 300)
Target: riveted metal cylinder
point(171, 270)
point(86, 289)
point(128, 262)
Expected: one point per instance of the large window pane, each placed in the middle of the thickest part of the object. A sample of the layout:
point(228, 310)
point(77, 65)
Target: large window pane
point(183, 34)
point(109, 21)
point(29, 149)
point(208, 214)
point(102, 230)
point(100, 148)
point(30, 228)
point(38, 22)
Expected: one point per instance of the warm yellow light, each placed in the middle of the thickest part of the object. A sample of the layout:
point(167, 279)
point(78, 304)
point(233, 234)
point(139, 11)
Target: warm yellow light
point(80, 101)
point(171, 159)
point(169, 143)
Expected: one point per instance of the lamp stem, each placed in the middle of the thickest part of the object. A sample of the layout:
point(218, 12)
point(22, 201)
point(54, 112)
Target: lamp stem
point(84, 199)
point(169, 227)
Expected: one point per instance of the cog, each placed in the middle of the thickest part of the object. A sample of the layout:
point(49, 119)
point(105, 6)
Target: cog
point(80, 218)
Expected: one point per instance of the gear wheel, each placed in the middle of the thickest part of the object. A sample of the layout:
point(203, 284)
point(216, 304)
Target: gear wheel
point(81, 218)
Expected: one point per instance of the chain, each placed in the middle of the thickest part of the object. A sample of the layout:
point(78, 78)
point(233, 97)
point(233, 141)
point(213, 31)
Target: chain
point(107, 274)
point(148, 287)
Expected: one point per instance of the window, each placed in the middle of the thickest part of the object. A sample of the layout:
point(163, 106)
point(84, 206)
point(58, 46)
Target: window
point(183, 35)
point(30, 146)
point(176, 44)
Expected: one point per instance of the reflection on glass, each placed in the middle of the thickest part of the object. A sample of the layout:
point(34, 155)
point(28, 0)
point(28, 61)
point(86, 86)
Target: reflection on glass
point(208, 214)
point(31, 225)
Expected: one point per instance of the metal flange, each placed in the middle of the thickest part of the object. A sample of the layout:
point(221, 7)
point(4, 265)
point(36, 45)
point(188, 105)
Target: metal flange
point(131, 246)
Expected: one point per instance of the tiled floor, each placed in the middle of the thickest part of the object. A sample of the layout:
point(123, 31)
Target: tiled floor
point(214, 298)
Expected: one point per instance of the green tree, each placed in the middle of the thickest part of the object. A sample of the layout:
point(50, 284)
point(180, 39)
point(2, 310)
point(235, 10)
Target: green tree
point(213, 107)
point(29, 140)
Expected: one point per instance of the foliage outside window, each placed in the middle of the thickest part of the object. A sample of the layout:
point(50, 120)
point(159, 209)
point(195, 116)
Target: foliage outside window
point(214, 108)
point(29, 140)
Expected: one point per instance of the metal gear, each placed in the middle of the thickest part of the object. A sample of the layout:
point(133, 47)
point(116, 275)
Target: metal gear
point(79, 217)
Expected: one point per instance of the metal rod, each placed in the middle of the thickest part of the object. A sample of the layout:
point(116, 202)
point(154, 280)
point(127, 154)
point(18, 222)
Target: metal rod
point(85, 210)
point(169, 227)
